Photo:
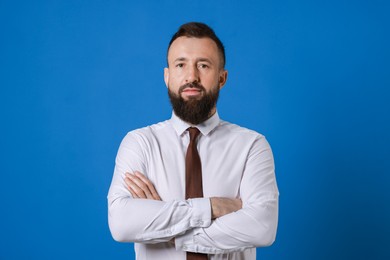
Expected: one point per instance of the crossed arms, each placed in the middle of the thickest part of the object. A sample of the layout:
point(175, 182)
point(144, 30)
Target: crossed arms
point(141, 187)
point(206, 225)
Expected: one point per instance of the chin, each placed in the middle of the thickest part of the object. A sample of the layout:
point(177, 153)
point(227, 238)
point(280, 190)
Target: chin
point(197, 97)
point(193, 98)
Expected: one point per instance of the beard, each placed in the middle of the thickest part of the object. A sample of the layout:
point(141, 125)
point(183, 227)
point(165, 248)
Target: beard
point(194, 110)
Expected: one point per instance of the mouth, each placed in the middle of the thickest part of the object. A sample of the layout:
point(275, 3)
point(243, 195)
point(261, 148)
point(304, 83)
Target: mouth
point(191, 92)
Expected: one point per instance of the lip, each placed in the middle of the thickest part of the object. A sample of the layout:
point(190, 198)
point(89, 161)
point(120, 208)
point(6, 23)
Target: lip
point(191, 92)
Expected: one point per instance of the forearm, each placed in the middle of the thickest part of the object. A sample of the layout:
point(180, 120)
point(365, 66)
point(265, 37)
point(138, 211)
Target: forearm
point(222, 206)
point(253, 226)
point(144, 220)
point(151, 221)
point(135, 218)
point(143, 191)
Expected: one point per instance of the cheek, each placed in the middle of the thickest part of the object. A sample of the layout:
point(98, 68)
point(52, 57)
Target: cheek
point(174, 81)
point(173, 86)
point(212, 83)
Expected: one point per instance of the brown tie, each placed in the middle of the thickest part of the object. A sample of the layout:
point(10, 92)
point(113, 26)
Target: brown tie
point(193, 179)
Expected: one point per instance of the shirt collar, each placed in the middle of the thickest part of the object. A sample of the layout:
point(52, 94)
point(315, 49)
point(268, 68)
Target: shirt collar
point(205, 128)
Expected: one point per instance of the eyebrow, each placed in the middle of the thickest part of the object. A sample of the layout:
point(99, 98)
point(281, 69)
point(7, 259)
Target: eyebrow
point(204, 60)
point(197, 60)
point(180, 59)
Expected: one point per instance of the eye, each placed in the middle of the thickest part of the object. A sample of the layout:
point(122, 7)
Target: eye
point(179, 65)
point(203, 66)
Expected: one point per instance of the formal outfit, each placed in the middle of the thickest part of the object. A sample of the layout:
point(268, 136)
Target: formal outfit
point(235, 163)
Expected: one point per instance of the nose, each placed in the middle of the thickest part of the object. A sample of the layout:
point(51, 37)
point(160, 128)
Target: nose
point(192, 74)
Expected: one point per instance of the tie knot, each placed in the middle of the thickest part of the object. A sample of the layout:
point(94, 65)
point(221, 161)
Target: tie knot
point(194, 132)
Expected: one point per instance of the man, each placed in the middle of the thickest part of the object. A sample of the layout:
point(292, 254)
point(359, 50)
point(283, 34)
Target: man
point(194, 183)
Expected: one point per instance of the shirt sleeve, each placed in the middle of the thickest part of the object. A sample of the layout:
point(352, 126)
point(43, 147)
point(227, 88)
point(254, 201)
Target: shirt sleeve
point(255, 224)
point(144, 220)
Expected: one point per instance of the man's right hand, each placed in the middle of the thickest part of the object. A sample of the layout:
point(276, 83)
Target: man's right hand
point(223, 206)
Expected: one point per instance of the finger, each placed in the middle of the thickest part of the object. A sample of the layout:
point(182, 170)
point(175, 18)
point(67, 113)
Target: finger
point(134, 188)
point(143, 186)
point(133, 194)
point(149, 184)
point(128, 183)
point(140, 187)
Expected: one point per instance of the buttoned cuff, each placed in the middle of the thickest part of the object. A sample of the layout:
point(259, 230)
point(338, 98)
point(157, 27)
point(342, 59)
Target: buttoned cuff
point(185, 242)
point(188, 242)
point(201, 215)
point(201, 218)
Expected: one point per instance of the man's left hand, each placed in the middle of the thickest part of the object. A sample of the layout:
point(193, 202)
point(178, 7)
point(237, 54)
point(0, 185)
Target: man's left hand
point(141, 187)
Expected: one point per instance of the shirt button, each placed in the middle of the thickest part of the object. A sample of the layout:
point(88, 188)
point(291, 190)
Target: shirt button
point(200, 222)
point(184, 247)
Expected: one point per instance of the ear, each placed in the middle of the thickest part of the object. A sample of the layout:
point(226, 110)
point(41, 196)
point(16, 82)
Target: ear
point(166, 76)
point(222, 78)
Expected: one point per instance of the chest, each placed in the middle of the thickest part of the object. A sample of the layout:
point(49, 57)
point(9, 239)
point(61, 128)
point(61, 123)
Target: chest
point(223, 165)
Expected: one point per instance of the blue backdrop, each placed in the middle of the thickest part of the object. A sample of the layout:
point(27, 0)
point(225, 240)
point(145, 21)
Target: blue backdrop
point(312, 76)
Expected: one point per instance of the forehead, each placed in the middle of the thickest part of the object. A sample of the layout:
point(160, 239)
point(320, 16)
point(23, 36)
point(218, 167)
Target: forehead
point(193, 48)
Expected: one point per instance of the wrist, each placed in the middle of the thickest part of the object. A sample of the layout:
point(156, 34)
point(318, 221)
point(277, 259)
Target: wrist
point(214, 207)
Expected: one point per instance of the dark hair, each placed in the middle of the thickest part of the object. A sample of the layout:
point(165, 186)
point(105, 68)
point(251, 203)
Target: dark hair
point(199, 30)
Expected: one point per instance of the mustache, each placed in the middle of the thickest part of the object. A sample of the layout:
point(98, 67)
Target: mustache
point(192, 85)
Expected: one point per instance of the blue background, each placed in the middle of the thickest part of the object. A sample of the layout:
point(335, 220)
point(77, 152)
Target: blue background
point(312, 76)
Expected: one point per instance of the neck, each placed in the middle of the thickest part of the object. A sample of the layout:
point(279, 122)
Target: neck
point(212, 112)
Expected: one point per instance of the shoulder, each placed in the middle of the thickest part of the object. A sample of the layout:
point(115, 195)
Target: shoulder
point(238, 131)
point(247, 140)
point(241, 136)
point(150, 129)
point(148, 133)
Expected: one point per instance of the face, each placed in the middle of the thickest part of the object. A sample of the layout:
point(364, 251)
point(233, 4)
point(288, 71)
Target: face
point(194, 71)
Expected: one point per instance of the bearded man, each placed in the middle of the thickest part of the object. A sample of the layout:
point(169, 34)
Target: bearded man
point(194, 186)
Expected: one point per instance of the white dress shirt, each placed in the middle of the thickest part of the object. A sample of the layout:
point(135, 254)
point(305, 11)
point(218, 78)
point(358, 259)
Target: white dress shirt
point(236, 163)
